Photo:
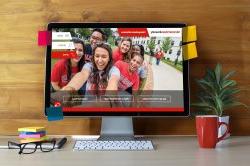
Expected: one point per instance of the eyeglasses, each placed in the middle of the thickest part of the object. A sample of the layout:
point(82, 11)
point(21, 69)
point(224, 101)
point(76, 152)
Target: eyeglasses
point(96, 38)
point(28, 148)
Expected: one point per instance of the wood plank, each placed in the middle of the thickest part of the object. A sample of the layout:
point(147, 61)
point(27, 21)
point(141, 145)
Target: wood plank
point(23, 102)
point(20, 73)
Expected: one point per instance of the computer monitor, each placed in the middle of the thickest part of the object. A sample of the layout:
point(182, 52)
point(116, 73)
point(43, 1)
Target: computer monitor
point(117, 71)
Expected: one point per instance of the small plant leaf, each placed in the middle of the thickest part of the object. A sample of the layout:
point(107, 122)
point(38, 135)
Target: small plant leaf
point(229, 74)
point(229, 83)
point(219, 105)
point(218, 73)
point(210, 76)
point(225, 93)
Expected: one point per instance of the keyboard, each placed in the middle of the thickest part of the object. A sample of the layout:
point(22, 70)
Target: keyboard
point(94, 145)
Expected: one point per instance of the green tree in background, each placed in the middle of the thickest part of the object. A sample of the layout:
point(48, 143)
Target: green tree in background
point(166, 45)
point(109, 36)
point(151, 45)
point(107, 32)
point(83, 32)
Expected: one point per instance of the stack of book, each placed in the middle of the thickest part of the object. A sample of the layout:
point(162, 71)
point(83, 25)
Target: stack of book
point(32, 134)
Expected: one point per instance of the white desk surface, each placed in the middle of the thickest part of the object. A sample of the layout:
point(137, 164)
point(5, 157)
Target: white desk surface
point(170, 150)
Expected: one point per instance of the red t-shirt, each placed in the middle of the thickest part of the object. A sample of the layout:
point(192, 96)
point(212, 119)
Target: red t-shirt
point(159, 55)
point(59, 73)
point(127, 79)
point(117, 55)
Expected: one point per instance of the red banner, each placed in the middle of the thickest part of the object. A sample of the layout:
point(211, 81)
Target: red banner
point(119, 109)
point(133, 32)
point(64, 54)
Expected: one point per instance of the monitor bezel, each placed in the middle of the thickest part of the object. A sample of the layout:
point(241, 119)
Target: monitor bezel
point(50, 26)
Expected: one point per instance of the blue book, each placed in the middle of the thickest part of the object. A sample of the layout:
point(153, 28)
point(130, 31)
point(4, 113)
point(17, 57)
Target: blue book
point(31, 133)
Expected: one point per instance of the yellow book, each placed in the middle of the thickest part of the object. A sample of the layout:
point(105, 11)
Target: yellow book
point(28, 140)
point(31, 129)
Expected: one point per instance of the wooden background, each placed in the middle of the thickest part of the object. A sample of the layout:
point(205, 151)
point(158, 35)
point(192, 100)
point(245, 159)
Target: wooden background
point(223, 36)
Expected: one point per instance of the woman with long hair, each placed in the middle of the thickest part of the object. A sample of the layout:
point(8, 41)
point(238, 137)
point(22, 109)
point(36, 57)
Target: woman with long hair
point(100, 73)
point(122, 52)
point(65, 69)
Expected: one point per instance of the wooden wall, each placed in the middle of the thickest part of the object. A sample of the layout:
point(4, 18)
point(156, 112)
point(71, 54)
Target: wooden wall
point(223, 36)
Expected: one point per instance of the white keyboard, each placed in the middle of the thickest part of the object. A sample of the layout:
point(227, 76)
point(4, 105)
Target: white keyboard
point(85, 145)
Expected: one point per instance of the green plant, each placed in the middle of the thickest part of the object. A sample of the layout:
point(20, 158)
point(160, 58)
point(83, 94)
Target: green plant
point(166, 45)
point(217, 92)
point(151, 45)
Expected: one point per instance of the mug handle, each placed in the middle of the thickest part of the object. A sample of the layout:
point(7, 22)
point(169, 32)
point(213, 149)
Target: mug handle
point(224, 135)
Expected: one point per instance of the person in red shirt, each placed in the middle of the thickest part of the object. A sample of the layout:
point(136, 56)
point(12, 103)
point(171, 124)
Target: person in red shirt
point(122, 51)
point(129, 77)
point(64, 69)
point(158, 56)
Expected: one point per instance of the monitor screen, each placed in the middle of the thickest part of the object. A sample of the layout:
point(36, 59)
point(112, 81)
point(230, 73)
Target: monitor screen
point(117, 69)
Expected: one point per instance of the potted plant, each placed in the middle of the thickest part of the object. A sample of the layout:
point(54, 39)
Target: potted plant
point(217, 94)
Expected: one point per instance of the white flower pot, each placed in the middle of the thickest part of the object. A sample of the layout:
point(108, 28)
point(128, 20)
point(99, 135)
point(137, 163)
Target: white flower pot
point(222, 128)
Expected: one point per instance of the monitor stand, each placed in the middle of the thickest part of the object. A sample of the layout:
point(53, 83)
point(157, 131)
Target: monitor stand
point(117, 128)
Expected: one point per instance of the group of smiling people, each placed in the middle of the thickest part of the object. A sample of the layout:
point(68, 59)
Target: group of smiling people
point(98, 69)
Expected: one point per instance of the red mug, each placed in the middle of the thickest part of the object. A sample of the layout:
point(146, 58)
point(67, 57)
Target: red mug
point(207, 130)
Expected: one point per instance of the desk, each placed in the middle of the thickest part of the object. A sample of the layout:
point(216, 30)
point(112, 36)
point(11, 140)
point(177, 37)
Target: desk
point(170, 150)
